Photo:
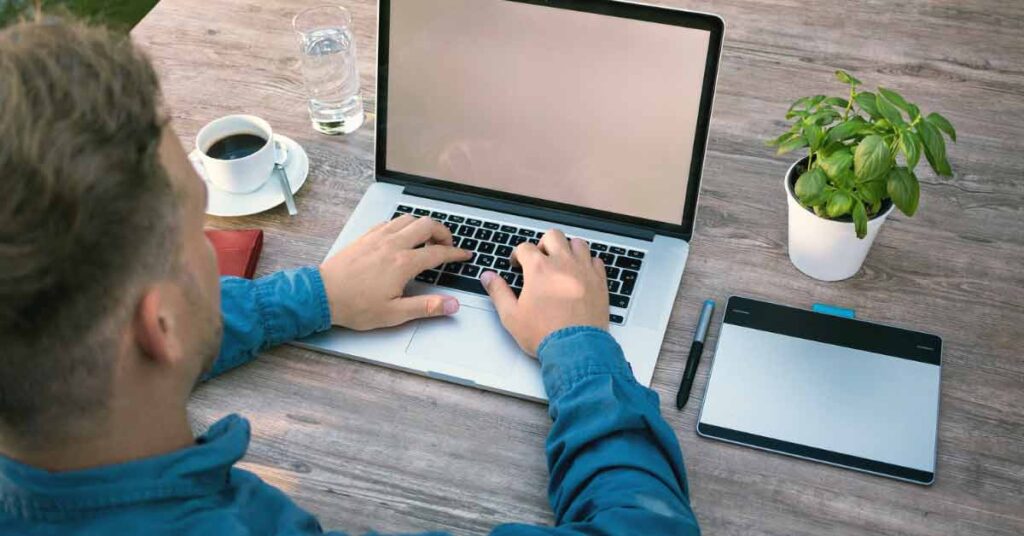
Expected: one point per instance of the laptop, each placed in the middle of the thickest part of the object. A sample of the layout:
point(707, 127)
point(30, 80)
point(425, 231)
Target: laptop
point(502, 119)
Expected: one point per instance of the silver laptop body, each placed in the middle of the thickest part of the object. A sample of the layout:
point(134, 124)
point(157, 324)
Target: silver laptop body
point(503, 119)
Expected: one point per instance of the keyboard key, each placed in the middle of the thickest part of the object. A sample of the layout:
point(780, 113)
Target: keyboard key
point(461, 283)
point(526, 232)
point(440, 216)
point(519, 281)
point(617, 250)
point(504, 251)
point(484, 260)
point(534, 241)
point(474, 223)
point(508, 229)
point(611, 272)
point(628, 263)
point(516, 240)
point(453, 267)
point(485, 247)
point(456, 240)
point(608, 258)
point(628, 276)
point(482, 234)
point(491, 225)
point(616, 319)
point(627, 288)
point(502, 264)
point(616, 300)
point(598, 247)
point(396, 215)
point(540, 235)
point(613, 286)
point(451, 226)
point(404, 208)
point(636, 254)
point(428, 276)
point(469, 243)
point(465, 230)
point(516, 268)
point(421, 212)
point(500, 238)
point(456, 219)
point(594, 253)
point(509, 277)
point(470, 270)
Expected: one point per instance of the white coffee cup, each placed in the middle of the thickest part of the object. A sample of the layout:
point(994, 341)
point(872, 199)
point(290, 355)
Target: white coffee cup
point(239, 175)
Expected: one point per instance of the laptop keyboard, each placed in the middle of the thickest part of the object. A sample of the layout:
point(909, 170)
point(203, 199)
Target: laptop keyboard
point(493, 242)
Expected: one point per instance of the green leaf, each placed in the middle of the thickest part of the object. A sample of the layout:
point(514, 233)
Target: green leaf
point(888, 111)
point(777, 141)
point(866, 101)
point(860, 219)
point(908, 144)
point(871, 158)
point(814, 135)
point(836, 163)
point(944, 125)
point(824, 117)
point(815, 100)
point(895, 98)
point(904, 190)
point(801, 102)
point(872, 191)
point(837, 101)
point(796, 113)
point(810, 187)
point(839, 205)
point(820, 211)
point(934, 148)
point(913, 111)
point(791, 145)
point(848, 129)
point(847, 78)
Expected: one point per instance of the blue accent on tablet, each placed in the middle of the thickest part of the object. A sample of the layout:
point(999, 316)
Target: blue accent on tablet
point(833, 310)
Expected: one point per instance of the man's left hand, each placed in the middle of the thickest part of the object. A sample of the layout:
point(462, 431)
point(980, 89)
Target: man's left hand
point(365, 281)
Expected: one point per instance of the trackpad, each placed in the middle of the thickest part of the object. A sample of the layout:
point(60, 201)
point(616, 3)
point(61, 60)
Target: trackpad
point(473, 345)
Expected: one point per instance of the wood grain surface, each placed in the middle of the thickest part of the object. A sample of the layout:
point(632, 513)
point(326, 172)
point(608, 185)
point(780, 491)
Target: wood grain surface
point(365, 447)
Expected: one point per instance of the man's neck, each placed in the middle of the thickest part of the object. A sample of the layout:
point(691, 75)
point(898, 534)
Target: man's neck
point(132, 435)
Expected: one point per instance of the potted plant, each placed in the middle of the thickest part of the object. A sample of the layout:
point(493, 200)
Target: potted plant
point(861, 155)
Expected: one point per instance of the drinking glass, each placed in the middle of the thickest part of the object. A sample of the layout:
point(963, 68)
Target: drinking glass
point(329, 68)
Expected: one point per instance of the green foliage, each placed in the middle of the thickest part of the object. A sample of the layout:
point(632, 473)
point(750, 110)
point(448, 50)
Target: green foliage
point(119, 14)
point(862, 150)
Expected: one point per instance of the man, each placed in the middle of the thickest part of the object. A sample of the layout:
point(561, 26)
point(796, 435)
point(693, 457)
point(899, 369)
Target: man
point(109, 301)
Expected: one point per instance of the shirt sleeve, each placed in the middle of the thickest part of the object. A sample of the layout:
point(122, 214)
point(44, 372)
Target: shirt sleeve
point(615, 464)
point(268, 311)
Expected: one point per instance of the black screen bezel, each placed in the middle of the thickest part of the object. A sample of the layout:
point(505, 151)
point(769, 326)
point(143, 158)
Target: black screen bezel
point(684, 229)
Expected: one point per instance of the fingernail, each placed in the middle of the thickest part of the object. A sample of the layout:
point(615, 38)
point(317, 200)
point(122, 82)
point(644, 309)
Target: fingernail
point(451, 306)
point(487, 277)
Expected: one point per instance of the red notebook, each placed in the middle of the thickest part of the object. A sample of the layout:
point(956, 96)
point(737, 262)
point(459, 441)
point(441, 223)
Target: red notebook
point(237, 251)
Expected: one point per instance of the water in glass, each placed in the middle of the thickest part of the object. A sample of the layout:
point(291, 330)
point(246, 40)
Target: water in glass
point(330, 71)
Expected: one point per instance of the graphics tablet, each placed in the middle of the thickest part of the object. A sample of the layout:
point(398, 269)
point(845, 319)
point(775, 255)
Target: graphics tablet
point(834, 390)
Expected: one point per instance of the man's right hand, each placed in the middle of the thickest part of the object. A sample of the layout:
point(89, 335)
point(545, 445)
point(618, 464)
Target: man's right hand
point(564, 287)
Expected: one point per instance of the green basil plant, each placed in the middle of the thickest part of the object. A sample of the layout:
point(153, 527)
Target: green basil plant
point(853, 148)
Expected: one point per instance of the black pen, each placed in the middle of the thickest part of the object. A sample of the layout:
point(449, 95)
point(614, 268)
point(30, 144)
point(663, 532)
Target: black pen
point(695, 350)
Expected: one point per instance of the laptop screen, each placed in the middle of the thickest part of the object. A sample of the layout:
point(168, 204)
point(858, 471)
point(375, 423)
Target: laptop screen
point(573, 107)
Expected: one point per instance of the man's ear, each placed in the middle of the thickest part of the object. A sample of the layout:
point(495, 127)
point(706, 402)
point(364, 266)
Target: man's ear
point(154, 326)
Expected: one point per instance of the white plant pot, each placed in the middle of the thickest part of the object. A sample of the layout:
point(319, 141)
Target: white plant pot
point(828, 250)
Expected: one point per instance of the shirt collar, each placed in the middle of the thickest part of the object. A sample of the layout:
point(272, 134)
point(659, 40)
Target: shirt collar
point(199, 469)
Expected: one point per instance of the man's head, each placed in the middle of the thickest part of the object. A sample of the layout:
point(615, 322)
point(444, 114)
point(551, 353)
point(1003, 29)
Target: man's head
point(108, 287)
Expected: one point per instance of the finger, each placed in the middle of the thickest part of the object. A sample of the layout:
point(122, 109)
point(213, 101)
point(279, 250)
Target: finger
point(554, 243)
point(580, 248)
point(501, 294)
point(525, 253)
point(599, 266)
point(421, 231)
point(398, 223)
point(411, 308)
point(434, 255)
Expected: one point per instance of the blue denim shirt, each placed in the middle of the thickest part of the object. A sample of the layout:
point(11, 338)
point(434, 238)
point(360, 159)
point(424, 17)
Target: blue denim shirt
point(615, 464)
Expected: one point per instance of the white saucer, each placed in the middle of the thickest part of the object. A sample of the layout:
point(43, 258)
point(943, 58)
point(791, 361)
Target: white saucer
point(268, 196)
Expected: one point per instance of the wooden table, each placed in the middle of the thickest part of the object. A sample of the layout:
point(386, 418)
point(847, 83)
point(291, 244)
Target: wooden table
point(365, 447)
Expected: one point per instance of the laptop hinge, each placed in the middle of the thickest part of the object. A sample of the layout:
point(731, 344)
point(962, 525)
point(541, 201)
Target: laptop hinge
point(530, 211)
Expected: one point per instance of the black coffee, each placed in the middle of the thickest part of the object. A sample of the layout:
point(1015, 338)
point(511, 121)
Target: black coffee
point(236, 146)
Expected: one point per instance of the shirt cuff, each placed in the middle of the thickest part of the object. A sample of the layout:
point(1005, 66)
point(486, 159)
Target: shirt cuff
point(574, 353)
point(292, 304)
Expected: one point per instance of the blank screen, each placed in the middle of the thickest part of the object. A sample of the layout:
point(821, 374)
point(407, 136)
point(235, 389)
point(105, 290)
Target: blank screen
point(825, 396)
point(579, 108)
